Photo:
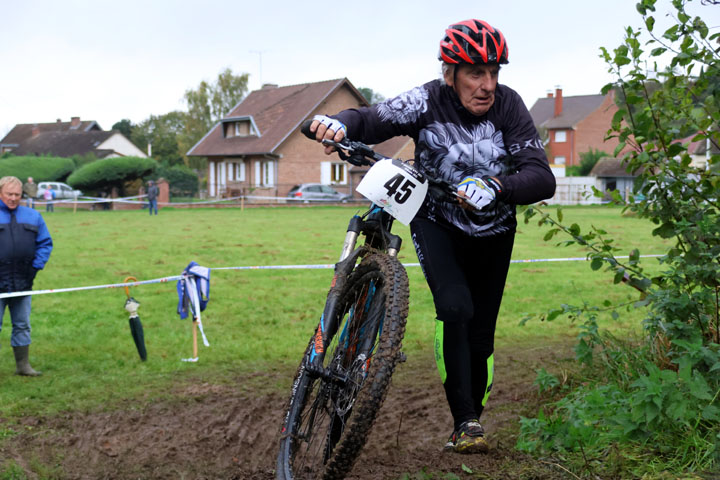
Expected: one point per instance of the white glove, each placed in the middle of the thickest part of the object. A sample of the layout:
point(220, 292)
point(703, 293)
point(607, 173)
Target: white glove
point(481, 191)
point(331, 123)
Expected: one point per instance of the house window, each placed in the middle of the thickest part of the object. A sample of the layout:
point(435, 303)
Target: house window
point(265, 173)
point(242, 129)
point(237, 171)
point(337, 173)
point(560, 136)
point(334, 173)
point(559, 160)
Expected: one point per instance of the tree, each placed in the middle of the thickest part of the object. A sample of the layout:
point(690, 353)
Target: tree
point(162, 132)
point(371, 96)
point(208, 104)
point(662, 397)
point(124, 126)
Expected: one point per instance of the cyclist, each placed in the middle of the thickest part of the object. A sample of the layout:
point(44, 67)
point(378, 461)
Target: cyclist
point(476, 133)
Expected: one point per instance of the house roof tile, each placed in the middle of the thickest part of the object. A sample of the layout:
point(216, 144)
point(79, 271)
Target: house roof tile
point(574, 109)
point(63, 143)
point(276, 111)
point(23, 131)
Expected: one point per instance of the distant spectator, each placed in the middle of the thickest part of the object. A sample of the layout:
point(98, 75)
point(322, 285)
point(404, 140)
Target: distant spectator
point(49, 196)
point(152, 195)
point(30, 190)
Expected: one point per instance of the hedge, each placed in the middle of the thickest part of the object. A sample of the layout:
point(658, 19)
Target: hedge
point(183, 180)
point(42, 169)
point(111, 172)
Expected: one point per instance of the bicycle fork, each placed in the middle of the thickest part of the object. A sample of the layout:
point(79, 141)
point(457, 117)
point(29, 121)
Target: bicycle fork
point(378, 222)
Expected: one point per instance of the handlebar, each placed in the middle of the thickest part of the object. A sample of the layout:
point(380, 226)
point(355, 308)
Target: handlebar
point(361, 154)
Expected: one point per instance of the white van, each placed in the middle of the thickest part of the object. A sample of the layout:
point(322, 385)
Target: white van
point(61, 190)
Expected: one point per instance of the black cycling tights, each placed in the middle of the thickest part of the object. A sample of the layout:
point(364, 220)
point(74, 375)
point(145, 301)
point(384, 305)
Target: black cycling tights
point(466, 276)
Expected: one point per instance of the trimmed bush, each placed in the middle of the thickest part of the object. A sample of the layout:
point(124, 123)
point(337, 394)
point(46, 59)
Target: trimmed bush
point(183, 180)
point(42, 169)
point(111, 172)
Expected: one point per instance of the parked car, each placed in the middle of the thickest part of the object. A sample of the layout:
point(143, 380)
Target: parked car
point(308, 192)
point(61, 190)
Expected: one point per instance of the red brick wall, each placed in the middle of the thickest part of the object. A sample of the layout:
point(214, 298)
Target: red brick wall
point(301, 157)
point(562, 149)
point(592, 129)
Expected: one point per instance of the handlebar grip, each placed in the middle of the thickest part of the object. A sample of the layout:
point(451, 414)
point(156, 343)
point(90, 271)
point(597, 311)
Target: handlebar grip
point(305, 129)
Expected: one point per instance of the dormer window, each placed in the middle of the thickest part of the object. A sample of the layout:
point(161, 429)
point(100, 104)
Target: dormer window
point(240, 127)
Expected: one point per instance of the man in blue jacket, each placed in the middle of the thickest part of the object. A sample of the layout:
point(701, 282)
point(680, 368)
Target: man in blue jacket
point(25, 247)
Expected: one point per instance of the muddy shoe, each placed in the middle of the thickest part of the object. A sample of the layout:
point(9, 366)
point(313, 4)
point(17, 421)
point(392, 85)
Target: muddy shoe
point(469, 438)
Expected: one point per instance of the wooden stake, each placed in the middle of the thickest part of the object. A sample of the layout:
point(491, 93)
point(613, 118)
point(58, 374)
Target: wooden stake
point(195, 348)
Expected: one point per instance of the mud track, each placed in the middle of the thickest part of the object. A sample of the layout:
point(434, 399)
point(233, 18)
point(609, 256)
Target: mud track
point(219, 432)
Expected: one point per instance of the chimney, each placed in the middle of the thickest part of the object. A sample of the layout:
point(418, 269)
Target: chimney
point(59, 121)
point(269, 85)
point(558, 101)
point(75, 122)
point(35, 130)
point(549, 95)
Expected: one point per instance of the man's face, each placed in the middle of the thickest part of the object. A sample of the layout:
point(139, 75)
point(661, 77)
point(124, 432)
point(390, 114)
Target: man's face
point(475, 85)
point(11, 194)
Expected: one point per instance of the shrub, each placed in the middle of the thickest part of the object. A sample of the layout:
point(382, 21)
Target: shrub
point(183, 180)
point(42, 169)
point(111, 172)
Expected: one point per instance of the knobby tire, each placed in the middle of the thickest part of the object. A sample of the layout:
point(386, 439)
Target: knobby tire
point(327, 424)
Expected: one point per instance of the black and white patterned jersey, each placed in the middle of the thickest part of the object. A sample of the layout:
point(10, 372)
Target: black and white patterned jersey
point(451, 143)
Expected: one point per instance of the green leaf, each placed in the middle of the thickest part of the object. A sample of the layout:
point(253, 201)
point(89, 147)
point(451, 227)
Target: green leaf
point(466, 469)
point(596, 263)
point(650, 23)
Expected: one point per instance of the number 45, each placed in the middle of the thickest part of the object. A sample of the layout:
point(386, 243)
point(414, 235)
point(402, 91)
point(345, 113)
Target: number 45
point(401, 190)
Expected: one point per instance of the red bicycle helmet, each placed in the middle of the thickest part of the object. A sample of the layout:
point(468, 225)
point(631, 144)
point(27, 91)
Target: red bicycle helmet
point(475, 42)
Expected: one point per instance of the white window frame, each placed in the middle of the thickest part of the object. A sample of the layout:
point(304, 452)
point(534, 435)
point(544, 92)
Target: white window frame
point(560, 160)
point(560, 136)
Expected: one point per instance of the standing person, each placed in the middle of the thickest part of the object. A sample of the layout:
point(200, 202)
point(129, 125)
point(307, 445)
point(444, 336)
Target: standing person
point(152, 195)
point(25, 247)
point(476, 133)
point(30, 189)
point(48, 196)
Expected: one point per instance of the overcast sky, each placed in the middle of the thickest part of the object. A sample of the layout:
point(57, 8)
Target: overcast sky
point(108, 60)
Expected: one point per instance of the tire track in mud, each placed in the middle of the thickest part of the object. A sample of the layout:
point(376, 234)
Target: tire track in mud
point(209, 431)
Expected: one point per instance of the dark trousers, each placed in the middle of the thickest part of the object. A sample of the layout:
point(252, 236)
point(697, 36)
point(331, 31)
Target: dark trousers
point(466, 276)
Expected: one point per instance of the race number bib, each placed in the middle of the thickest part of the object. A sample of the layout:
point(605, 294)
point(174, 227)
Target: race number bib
point(396, 187)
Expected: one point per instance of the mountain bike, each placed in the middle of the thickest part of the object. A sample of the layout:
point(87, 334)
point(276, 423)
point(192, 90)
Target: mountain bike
point(346, 369)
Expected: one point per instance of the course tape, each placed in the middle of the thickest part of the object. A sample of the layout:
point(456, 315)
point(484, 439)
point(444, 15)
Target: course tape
point(138, 200)
point(257, 267)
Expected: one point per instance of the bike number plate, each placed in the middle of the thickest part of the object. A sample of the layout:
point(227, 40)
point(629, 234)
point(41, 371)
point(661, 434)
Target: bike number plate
point(396, 187)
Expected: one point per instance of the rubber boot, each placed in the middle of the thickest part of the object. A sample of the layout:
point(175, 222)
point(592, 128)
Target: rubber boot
point(22, 355)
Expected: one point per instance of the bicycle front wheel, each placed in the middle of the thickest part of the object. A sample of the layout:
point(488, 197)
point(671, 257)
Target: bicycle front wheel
point(330, 415)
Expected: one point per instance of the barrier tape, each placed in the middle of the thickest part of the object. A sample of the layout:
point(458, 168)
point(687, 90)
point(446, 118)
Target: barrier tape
point(257, 267)
point(134, 200)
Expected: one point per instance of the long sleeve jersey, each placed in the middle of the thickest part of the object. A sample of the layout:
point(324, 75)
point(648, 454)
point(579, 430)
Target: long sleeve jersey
point(451, 144)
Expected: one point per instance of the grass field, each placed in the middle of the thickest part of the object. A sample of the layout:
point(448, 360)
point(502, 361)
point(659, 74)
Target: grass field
point(257, 320)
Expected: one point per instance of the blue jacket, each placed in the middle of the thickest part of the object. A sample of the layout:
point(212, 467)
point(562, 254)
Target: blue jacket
point(25, 247)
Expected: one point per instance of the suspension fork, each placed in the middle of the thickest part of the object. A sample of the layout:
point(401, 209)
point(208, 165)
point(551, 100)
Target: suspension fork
point(328, 325)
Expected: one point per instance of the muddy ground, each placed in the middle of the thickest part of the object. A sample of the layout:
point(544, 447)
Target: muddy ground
point(221, 432)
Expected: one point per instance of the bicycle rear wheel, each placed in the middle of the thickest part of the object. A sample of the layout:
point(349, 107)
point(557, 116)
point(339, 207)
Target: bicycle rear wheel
point(329, 416)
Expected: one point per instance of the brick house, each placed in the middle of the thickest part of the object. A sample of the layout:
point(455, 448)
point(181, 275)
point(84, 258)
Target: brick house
point(574, 125)
point(65, 139)
point(257, 149)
